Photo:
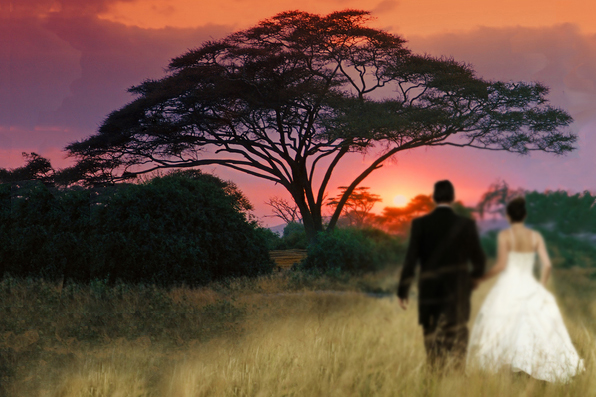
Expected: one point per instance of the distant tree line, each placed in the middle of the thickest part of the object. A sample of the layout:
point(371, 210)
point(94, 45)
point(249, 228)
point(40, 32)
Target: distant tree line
point(183, 228)
point(562, 211)
point(567, 221)
point(557, 210)
point(189, 227)
point(393, 220)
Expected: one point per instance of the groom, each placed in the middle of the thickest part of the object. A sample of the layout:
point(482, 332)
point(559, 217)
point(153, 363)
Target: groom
point(445, 244)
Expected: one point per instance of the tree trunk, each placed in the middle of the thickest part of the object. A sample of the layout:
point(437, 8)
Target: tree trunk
point(311, 218)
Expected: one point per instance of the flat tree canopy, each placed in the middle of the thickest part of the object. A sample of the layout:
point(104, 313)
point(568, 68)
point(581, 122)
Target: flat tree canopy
point(287, 99)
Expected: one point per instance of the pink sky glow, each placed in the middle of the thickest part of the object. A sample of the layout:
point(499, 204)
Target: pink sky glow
point(64, 65)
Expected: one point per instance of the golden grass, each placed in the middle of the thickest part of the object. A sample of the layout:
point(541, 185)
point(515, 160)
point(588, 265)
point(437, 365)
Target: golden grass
point(305, 343)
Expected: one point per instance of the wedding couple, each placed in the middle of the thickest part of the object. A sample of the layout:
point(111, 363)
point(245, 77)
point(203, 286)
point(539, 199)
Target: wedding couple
point(519, 326)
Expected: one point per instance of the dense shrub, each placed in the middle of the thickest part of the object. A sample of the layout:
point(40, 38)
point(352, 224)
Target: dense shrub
point(4, 223)
point(188, 228)
point(48, 233)
point(353, 251)
point(272, 239)
point(179, 229)
point(294, 237)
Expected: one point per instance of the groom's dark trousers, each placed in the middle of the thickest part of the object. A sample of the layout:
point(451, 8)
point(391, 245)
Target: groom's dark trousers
point(447, 247)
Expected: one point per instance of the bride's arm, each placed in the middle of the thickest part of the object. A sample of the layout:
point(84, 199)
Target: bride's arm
point(501, 258)
point(544, 260)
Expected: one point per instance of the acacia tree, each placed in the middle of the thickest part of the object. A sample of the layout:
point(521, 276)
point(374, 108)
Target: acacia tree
point(289, 98)
point(36, 168)
point(358, 205)
point(494, 200)
point(283, 209)
point(398, 219)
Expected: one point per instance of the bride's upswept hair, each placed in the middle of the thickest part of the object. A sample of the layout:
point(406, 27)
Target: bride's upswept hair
point(516, 209)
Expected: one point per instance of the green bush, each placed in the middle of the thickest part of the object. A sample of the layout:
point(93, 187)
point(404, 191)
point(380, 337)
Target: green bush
point(184, 228)
point(178, 229)
point(272, 239)
point(48, 233)
point(353, 251)
point(5, 210)
point(294, 236)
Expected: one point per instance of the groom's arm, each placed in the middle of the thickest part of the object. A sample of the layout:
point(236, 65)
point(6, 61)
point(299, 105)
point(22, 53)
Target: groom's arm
point(477, 256)
point(409, 267)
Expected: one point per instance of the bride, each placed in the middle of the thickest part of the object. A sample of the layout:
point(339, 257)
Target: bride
point(519, 326)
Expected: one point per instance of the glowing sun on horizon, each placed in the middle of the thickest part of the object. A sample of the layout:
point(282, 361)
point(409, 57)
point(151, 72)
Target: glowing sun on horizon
point(400, 200)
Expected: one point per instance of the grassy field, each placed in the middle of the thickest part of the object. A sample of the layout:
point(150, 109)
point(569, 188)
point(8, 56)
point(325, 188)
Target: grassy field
point(282, 335)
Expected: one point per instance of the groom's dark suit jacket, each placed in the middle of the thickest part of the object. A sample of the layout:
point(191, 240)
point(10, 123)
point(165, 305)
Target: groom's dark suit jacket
point(448, 248)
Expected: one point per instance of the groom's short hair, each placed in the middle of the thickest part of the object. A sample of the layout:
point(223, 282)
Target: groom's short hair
point(444, 192)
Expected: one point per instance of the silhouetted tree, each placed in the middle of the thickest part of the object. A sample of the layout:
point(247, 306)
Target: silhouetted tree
point(358, 205)
point(399, 219)
point(287, 99)
point(36, 168)
point(495, 199)
point(283, 209)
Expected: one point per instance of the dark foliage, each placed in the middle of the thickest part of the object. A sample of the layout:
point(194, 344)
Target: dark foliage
point(5, 209)
point(184, 228)
point(353, 250)
point(36, 168)
point(48, 232)
point(561, 211)
point(272, 239)
point(293, 237)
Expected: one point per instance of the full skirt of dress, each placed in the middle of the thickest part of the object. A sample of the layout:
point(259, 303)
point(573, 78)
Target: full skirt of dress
point(519, 327)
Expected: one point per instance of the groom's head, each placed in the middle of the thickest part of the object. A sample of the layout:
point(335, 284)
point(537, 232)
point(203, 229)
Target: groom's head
point(444, 192)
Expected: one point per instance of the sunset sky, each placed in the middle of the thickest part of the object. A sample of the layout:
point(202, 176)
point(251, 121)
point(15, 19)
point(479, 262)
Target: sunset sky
point(64, 65)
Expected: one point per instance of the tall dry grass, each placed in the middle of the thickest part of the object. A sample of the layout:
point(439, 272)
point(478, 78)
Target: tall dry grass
point(298, 343)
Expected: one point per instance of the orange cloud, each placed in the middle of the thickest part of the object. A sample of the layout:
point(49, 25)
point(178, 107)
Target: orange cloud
point(407, 17)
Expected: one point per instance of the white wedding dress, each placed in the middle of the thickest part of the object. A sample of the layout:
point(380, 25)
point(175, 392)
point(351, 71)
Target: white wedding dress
point(519, 327)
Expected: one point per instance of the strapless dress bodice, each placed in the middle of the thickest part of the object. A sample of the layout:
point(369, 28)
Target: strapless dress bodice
point(520, 263)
